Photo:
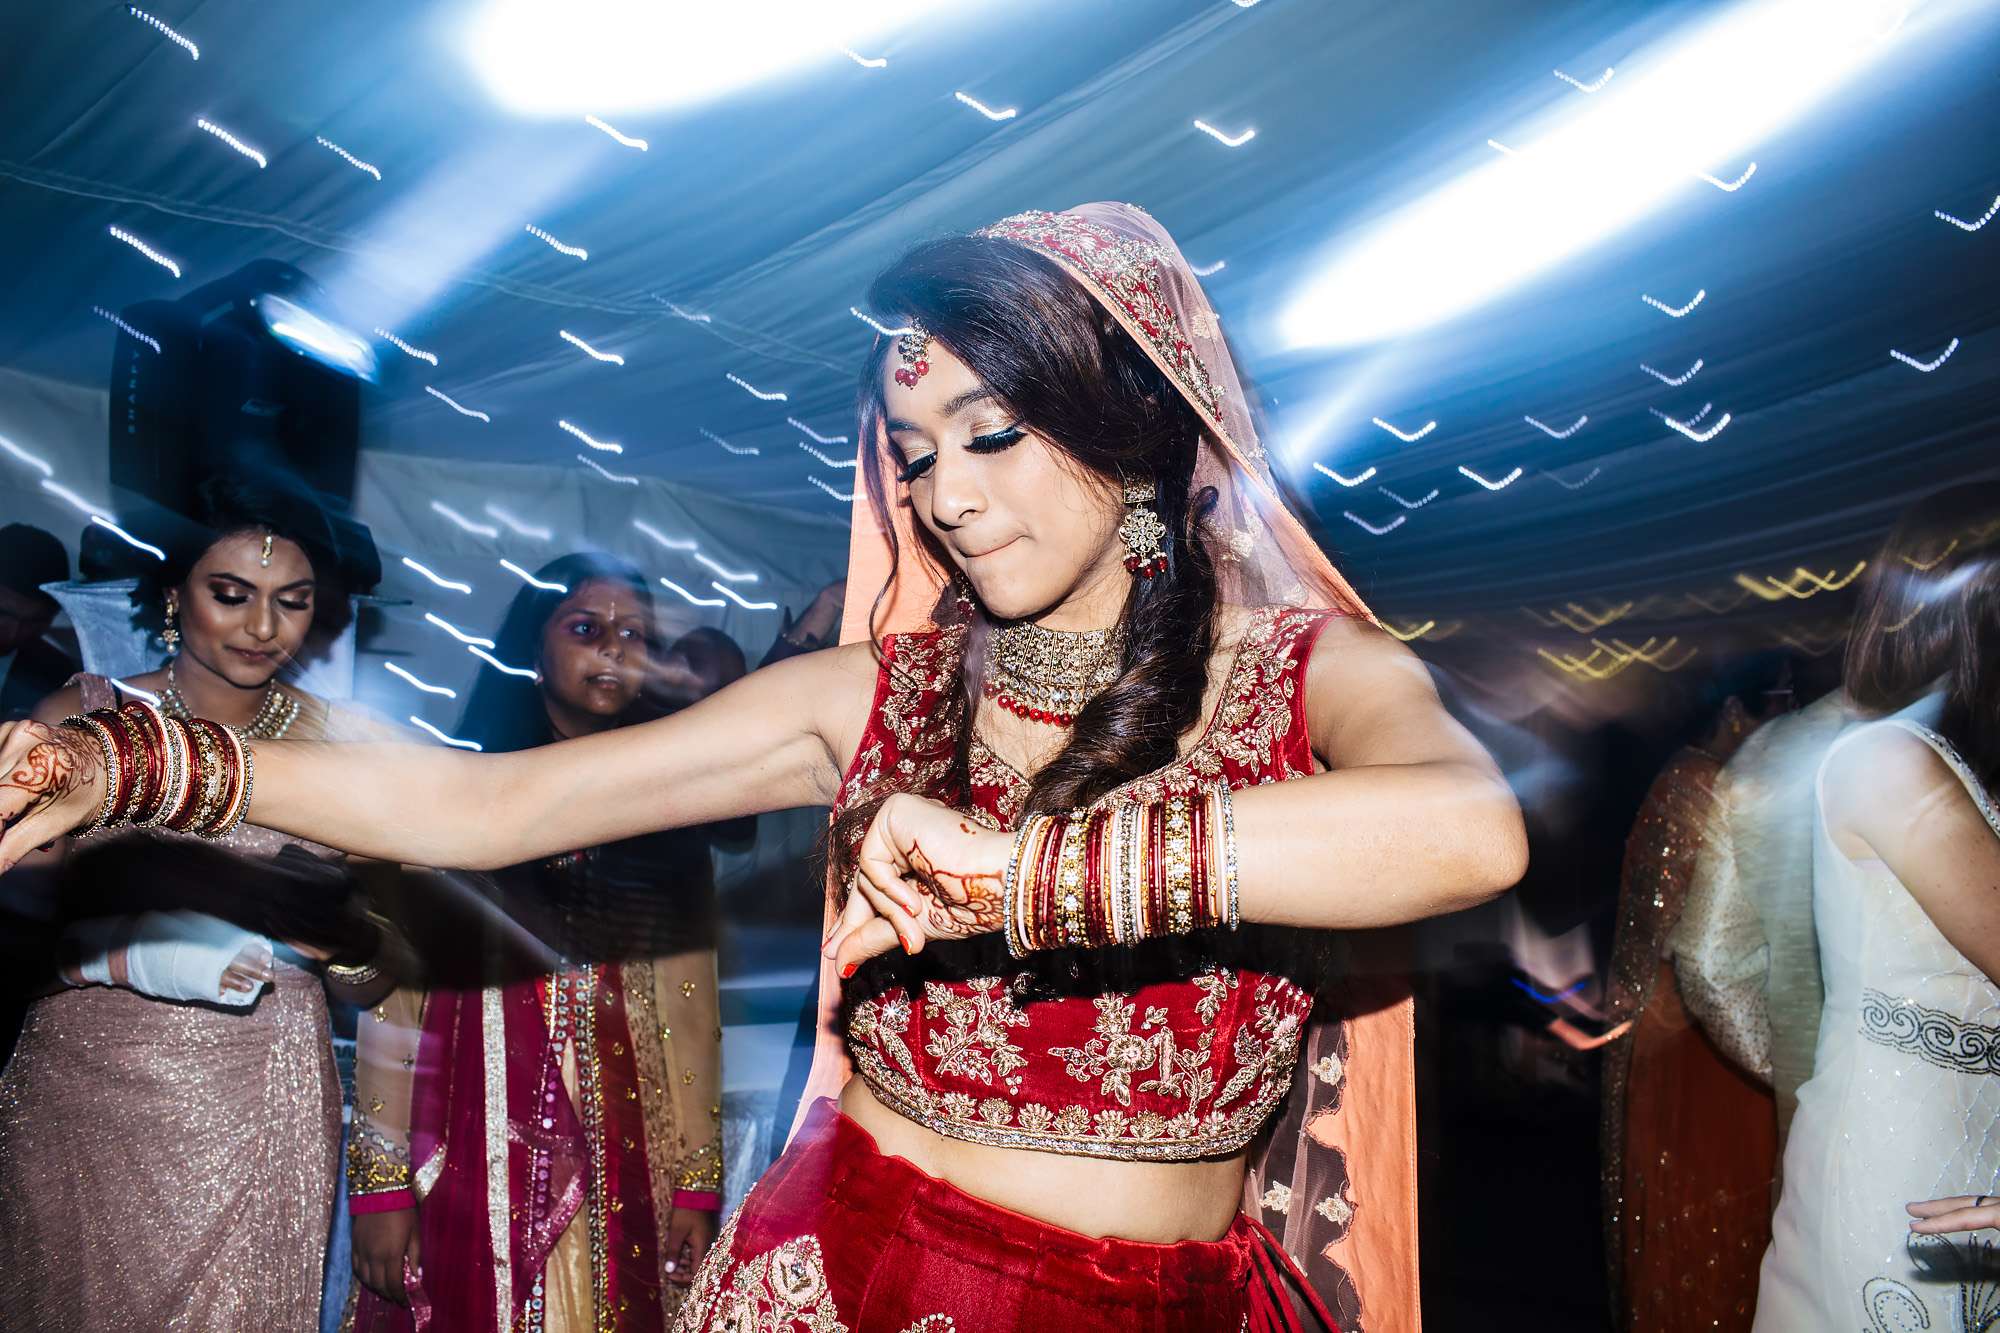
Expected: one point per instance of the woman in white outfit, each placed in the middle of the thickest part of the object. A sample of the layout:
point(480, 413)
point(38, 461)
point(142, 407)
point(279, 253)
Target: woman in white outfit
point(1904, 1100)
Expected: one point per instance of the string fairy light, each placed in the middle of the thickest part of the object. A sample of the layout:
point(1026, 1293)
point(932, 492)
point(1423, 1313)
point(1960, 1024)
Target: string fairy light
point(74, 500)
point(573, 251)
point(845, 497)
point(1576, 485)
point(1007, 114)
point(611, 358)
point(520, 527)
point(1673, 381)
point(1345, 481)
point(625, 139)
point(737, 449)
point(203, 122)
point(1407, 437)
point(1962, 224)
point(876, 324)
point(682, 312)
point(828, 459)
point(735, 597)
point(469, 640)
point(523, 672)
point(1730, 187)
point(455, 405)
point(1381, 531)
point(866, 62)
point(606, 472)
point(817, 438)
point(150, 549)
point(444, 510)
point(348, 157)
point(1409, 504)
point(689, 597)
point(1590, 87)
point(544, 584)
point(723, 571)
point(194, 52)
point(34, 461)
point(1226, 140)
point(452, 584)
point(1687, 427)
point(405, 348)
point(772, 396)
point(119, 233)
point(1555, 434)
point(602, 446)
point(1209, 270)
point(1676, 313)
point(396, 669)
point(670, 543)
point(125, 328)
point(1499, 485)
point(1926, 366)
point(452, 741)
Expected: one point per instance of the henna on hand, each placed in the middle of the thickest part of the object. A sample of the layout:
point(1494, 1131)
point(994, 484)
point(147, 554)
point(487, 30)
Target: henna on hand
point(61, 761)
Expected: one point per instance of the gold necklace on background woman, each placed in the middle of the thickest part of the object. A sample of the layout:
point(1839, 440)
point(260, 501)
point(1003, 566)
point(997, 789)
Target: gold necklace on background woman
point(274, 715)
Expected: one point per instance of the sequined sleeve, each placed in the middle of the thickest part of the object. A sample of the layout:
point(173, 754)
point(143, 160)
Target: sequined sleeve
point(379, 1175)
point(1721, 957)
point(686, 998)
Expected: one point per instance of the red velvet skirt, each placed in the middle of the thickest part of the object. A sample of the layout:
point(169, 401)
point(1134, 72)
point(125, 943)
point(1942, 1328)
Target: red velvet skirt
point(840, 1236)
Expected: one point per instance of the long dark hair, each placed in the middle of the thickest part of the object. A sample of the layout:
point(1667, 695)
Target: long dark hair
point(1042, 344)
point(505, 712)
point(1929, 619)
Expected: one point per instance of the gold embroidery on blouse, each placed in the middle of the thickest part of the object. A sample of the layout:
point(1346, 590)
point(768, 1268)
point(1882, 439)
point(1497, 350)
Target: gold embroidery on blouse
point(376, 1163)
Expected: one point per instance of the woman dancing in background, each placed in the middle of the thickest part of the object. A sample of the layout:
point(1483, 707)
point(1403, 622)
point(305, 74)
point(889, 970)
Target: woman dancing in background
point(170, 1164)
point(612, 1198)
point(1147, 708)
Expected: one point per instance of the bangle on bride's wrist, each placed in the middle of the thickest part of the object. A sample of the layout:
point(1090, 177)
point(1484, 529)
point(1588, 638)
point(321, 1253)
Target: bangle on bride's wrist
point(112, 773)
point(1232, 894)
point(353, 974)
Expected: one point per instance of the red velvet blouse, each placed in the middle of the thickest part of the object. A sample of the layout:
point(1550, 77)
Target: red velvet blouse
point(1173, 1071)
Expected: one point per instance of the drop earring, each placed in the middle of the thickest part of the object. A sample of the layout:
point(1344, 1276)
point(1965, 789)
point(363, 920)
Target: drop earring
point(1142, 531)
point(170, 633)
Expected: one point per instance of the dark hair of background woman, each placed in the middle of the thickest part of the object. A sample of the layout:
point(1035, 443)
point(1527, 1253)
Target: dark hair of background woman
point(1929, 618)
point(228, 504)
point(505, 712)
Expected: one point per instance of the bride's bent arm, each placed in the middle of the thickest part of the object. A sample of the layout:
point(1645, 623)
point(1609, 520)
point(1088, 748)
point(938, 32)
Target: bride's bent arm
point(767, 742)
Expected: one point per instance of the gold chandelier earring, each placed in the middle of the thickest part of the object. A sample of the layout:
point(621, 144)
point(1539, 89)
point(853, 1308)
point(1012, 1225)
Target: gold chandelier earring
point(1143, 531)
point(170, 633)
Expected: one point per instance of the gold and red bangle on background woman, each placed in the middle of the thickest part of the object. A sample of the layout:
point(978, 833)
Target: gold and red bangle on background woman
point(1117, 876)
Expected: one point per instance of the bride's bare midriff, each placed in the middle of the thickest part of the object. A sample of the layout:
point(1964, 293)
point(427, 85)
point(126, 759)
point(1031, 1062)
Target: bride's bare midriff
point(1160, 1202)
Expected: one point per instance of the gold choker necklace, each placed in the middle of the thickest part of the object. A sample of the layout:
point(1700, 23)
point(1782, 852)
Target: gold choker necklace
point(274, 715)
point(1047, 675)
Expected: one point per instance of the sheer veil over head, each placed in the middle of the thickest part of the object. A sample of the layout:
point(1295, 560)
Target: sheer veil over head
point(1337, 1182)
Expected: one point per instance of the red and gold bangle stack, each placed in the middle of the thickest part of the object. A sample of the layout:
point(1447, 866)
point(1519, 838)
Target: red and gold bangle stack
point(189, 776)
point(1120, 875)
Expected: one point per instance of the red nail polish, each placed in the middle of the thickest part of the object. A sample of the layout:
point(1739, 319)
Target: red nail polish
point(848, 971)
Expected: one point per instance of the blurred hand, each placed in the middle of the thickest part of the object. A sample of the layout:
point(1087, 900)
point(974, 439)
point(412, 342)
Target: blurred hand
point(381, 1242)
point(925, 872)
point(51, 783)
point(1964, 1212)
point(689, 1235)
point(249, 970)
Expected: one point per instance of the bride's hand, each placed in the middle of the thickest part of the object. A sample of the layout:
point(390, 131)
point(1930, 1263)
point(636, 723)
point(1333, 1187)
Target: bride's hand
point(51, 783)
point(1964, 1212)
point(925, 872)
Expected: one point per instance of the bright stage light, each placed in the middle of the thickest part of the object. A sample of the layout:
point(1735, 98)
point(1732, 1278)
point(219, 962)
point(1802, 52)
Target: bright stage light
point(309, 335)
point(1700, 103)
point(610, 56)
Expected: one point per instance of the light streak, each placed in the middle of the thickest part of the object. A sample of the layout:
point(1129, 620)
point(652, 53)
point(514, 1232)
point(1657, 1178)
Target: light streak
point(1583, 87)
point(1496, 145)
point(396, 670)
point(1730, 187)
point(500, 666)
point(441, 581)
point(1576, 485)
point(1544, 996)
point(605, 472)
point(476, 529)
point(612, 358)
point(76, 501)
point(1382, 531)
point(350, 158)
point(531, 580)
point(738, 449)
point(150, 549)
point(689, 597)
point(1926, 366)
point(126, 328)
point(827, 459)
point(1676, 313)
point(1414, 632)
point(671, 543)
point(573, 251)
point(1925, 567)
point(119, 233)
point(233, 142)
point(866, 62)
point(817, 438)
point(1345, 481)
point(682, 312)
point(1210, 270)
point(1499, 485)
point(723, 571)
point(193, 51)
point(1226, 140)
point(625, 139)
point(1409, 504)
point(1555, 434)
point(1962, 224)
point(876, 324)
point(602, 446)
point(454, 404)
point(1584, 621)
point(519, 527)
point(845, 497)
point(1407, 437)
point(452, 741)
point(405, 348)
point(1698, 436)
point(986, 110)
point(40, 465)
point(731, 594)
point(1673, 381)
point(130, 688)
point(755, 392)
point(469, 640)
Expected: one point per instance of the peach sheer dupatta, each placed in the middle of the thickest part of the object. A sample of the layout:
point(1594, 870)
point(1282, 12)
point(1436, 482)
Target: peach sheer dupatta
point(1349, 1168)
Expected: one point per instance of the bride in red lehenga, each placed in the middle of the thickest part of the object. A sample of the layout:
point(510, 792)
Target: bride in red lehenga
point(1110, 703)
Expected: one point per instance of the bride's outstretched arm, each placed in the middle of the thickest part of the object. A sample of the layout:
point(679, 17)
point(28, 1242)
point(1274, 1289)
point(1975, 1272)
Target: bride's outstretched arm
point(768, 742)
